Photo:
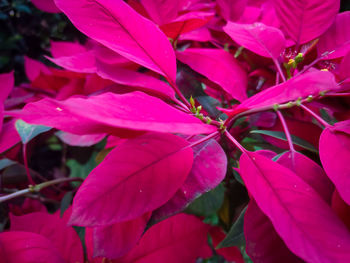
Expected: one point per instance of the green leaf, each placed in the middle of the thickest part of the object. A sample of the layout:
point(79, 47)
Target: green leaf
point(28, 131)
point(81, 170)
point(66, 201)
point(281, 135)
point(208, 203)
point(235, 237)
point(6, 163)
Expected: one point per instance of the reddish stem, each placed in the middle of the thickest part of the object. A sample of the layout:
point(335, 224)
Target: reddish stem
point(24, 151)
point(318, 118)
point(210, 136)
point(178, 92)
point(235, 142)
point(288, 136)
point(279, 69)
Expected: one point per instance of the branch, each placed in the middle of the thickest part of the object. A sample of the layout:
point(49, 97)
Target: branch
point(37, 188)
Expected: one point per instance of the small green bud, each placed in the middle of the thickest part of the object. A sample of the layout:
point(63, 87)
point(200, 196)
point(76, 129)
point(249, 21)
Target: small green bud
point(275, 107)
point(290, 104)
point(298, 101)
point(208, 120)
point(309, 98)
point(192, 101)
point(299, 58)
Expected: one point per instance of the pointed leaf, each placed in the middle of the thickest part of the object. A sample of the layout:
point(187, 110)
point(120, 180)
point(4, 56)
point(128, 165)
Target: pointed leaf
point(208, 170)
point(79, 140)
point(121, 115)
point(263, 244)
point(80, 62)
point(26, 247)
point(116, 25)
point(66, 49)
point(335, 154)
point(345, 65)
point(310, 172)
point(181, 238)
point(337, 37)
point(235, 237)
point(231, 254)
point(52, 227)
point(310, 83)
point(218, 66)
point(264, 40)
point(116, 240)
point(132, 78)
point(208, 203)
point(33, 68)
point(7, 82)
point(300, 216)
point(46, 6)
point(137, 187)
point(9, 136)
point(28, 131)
point(305, 20)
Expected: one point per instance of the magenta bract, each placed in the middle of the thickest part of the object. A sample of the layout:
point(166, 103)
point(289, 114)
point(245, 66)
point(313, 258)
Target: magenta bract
point(120, 28)
point(128, 188)
point(276, 190)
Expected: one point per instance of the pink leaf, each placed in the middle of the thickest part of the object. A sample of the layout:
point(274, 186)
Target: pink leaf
point(162, 11)
point(121, 188)
point(80, 62)
point(300, 216)
point(26, 247)
point(310, 172)
point(218, 66)
point(79, 140)
point(263, 244)
point(337, 37)
point(116, 25)
point(122, 115)
point(116, 240)
point(344, 66)
point(7, 81)
point(231, 10)
point(66, 49)
point(33, 68)
point(46, 6)
point(335, 154)
point(9, 136)
point(181, 238)
point(52, 227)
point(201, 34)
point(310, 83)
point(264, 40)
point(132, 78)
point(208, 170)
point(305, 20)
point(186, 23)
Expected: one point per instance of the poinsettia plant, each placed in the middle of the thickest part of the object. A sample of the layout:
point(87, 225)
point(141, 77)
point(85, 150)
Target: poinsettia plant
point(181, 131)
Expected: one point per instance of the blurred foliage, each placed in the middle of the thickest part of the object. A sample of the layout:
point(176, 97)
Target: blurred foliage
point(25, 30)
